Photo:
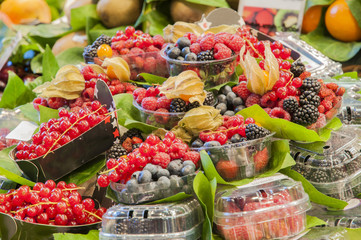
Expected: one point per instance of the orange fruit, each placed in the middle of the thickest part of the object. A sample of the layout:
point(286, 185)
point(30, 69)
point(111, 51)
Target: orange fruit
point(311, 18)
point(340, 22)
point(27, 11)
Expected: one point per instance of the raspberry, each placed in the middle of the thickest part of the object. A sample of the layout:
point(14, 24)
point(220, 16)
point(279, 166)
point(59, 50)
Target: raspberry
point(223, 37)
point(150, 65)
point(241, 90)
point(119, 88)
point(268, 110)
point(207, 42)
point(88, 94)
point(162, 117)
point(158, 41)
point(266, 100)
point(149, 103)
point(88, 73)
point(280, 103)
point(327, 104)
point(164, 102)
point(324, 92)
point(162, 159)
point(129, 87)
point(136, 51)
point(152, 49)
point(221, 51)
point(340, 91)
point(261, 159)
point(236, 43)
point(192, 156)
point(76, 103)
point(56, 102)
point(138, 92)
point(195, 48)
point(332, 86)
point(305, 75)
point(280, 113)
point(152, 92)
point(39, 101)
point(253, 99)
point(242, 78)
point(139, 62)
point(321, 121)
point(178, 150)
point(191, 36)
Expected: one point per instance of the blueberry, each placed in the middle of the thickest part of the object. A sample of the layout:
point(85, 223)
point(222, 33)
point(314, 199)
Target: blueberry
point(237, 101)
point(236, 138)
point(163, 182)
point(222, 98)
point(132, 185)
point(173, 53)
point(229, 113)
point(176, 181)
point(180, 58)
point(162, 173)
point(230, 96)
point(212, 144)
point(222, 107)
point(197, 143)
point(188, 169)
point(135, 175)
point(175, 167)
point(153, 169)
point(169, 47)
point(183, 42)
point(190, 57)
point(226, 89)
point(150, 186)
point(185, 51)
point(145, 176)
point(190, 163)
point(239, 108)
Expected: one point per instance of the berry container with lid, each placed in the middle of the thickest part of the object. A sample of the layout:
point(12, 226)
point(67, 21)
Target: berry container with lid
point(178, 220)
point(333, 167)
point(212, 72)
point(241, 160)
point(267, 208)
point(152, 191)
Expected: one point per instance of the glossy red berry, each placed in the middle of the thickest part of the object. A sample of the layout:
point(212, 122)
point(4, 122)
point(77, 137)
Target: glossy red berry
point(103, 181)
point(282, 92)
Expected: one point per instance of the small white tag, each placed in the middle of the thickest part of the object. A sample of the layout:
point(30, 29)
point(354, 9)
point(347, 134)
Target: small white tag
point(23, 131)
point(260, 181)
point(354, 202)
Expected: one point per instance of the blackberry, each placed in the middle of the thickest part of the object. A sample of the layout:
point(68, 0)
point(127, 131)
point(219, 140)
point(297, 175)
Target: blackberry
point(178, 105)
point(205, 56)
point(310, 84)
point(306, 115)
point(254, 131)
point(338, 173)
point(302, 169)
point(116, 151)
point(209, 101)
point(309, 97)
point(290, 104)
point(319, 176)
point(297, 68)
point(193, 105)
point(102, 39)
point(90, 52)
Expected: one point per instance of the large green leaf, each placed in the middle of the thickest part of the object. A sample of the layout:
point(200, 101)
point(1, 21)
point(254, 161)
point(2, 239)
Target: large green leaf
point(72, 56)
point(47, 113)
point(7, 163)
point(15, 93)
point(347, 74)
point(313, 193)
point(314, 221)
point(92, 235)
point(15, 178)
point(152, 79)
point(36, 63)
point(50, 65)
point(80, 14)
point(214, 3)
point(283, 128)
point(355, 7)
point(333, 125)
point(30, 112)
point(311, 3)
point(175, 198)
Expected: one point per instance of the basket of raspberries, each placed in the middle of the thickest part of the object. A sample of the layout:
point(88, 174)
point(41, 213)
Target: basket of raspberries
point(239, 148)
point(138, 49)
point(157, 110)
point(153, 170)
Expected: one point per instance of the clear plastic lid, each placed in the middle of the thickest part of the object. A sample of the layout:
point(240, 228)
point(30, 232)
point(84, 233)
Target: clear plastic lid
point(153, 221)
point(263, 200)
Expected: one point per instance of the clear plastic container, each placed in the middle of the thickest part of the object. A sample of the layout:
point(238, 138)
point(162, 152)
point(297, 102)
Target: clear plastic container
point(241, 160)
point(178, 221)
point(212, 73)
point(147, 62)
point(147, 192)
point(268, 208)
point(333, 167)
point(159, 119)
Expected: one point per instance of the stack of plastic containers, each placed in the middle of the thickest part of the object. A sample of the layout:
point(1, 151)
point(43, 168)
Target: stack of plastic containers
point(268, 208)
point(333, 167)
point(179, 221)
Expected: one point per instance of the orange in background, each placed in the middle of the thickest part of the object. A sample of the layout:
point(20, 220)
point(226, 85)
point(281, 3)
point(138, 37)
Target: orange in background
point(311, 18)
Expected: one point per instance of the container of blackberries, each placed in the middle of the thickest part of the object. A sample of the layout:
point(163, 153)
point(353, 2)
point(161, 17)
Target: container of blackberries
point(214, 66)
point(332, 167)
point(238, 149)
point(159, 111)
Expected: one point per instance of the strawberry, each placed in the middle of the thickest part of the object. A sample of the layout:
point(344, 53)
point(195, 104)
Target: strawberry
point(227, 169)
point(136, 140)
point(242, 233)
point(332, 86)
point(305, 75)
point(127, 144)
point(261, 159)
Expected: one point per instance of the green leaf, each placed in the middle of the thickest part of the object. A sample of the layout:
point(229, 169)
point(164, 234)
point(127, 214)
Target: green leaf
point(311, 3)
point(355, 8)
point(347, 74)
point(153, 19)
point(36, 63)
point(145, 128)
point(46, 34)
point(92, 235)
point(89, 24)
point(314, 221)
point(33, 84)
point(333, 125)
point(175, 198)
point(47, 113)
point(80, 14)
point(50, 65)
point(111, 194)
point(152, 79)
point(72, 56)
point(313, 193)
point(15, 93)
point(283, 128)
point(30, 112)
point(7, 163)
point(15, 178)
point(214, 3)
point(85, 172)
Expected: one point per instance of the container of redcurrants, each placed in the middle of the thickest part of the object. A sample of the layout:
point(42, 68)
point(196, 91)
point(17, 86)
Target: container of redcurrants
point(138, 49)
point(65, 144)
point(268, 208)
point(178, 220)
point(333, 167)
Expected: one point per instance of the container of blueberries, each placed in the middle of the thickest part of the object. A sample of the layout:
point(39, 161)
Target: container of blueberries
point(241, 158)
point(178, 220)
point(267, 208)
point(333, 167)
point(154, 183)
point(228, 103)
point(212, 72)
